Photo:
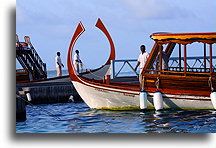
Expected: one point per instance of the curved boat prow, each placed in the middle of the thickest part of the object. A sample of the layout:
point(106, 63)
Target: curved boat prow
point(79, 30)
point(99, 73)
point(101, 26)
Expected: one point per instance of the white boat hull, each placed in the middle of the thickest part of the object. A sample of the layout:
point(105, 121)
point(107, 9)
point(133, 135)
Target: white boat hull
point(100, 97)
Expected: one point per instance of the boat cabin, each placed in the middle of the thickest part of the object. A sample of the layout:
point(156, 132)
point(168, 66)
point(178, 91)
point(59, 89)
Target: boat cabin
point(166, 43)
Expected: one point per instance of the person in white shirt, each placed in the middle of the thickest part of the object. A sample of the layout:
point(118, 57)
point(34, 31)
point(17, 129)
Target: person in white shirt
point(142, 60)
point(77, 61)
point(59, 64)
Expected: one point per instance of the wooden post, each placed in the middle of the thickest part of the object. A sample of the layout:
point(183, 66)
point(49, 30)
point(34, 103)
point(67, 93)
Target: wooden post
point(160, 58)
point(107, 77)
point(210, 52)
point(204, 60)
point(20, 109)
point(179, 57)
point(185, 59)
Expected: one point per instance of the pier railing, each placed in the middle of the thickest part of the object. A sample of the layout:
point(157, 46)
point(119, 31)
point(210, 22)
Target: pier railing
point(194, 64)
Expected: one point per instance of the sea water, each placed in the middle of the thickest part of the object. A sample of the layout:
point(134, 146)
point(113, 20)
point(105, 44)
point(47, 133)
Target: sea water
point(79, 118)
point(52, 73)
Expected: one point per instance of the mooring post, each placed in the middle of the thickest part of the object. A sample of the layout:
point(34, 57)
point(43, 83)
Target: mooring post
point(20, 109)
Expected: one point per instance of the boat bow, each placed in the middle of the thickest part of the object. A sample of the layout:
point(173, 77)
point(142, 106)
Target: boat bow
point(79, 30)
point(99, 73)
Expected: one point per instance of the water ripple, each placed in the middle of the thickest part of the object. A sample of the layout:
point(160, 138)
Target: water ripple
point(78, 118)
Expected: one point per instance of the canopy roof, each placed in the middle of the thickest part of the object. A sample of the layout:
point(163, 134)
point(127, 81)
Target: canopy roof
point(185, 38)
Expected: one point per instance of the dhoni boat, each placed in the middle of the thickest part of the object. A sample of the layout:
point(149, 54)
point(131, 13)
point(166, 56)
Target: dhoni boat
point(180, 87)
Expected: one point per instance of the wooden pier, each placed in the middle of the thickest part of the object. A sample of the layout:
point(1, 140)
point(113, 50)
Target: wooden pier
point(53, 90)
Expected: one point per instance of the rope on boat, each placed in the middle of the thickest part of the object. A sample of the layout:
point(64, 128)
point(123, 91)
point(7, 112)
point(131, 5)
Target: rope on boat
point(157, 83)
point(210, 83)
point(92, 72)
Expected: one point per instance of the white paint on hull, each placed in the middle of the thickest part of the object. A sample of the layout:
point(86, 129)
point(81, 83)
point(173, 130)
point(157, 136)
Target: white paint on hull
point(213, 99)
point(105, 97)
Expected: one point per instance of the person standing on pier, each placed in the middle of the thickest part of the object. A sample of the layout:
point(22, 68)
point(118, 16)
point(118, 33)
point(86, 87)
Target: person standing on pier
point(59, 64)
point(77, 61)
point(142, 60)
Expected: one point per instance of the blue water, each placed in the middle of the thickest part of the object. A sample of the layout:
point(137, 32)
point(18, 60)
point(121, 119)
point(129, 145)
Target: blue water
point(79, 118)
point(52, 73)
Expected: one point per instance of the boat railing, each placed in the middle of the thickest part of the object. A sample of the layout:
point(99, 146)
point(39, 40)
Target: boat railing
point(197, 60)
point(195, 65)
point(115, 72)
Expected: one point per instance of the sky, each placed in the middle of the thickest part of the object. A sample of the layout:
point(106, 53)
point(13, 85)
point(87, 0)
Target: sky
point(51, 24)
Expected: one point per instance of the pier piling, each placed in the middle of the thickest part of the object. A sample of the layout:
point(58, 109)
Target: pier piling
point(20, 109)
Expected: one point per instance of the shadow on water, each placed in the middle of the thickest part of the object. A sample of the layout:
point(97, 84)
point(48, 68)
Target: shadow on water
point(32, 137)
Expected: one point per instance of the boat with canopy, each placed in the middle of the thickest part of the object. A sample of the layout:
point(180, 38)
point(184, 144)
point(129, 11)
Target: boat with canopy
point(179, 87)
